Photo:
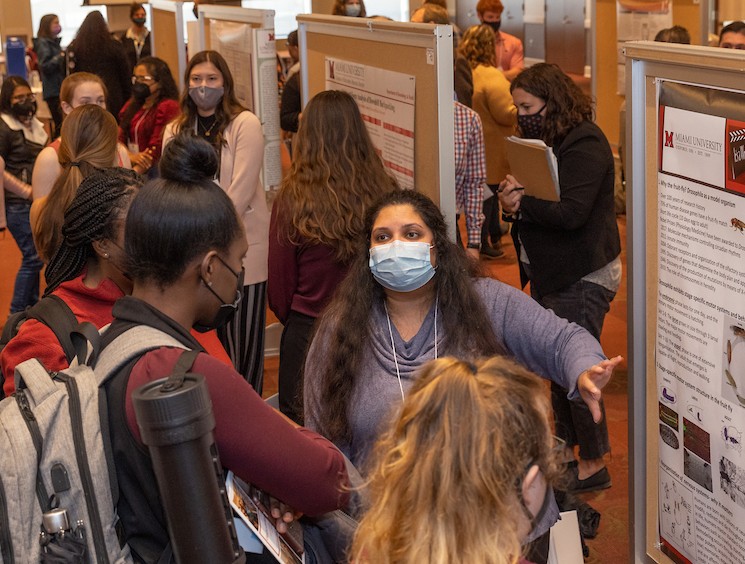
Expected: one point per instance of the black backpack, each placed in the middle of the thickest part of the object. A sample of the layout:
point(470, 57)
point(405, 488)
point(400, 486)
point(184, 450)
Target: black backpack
point(52, 312)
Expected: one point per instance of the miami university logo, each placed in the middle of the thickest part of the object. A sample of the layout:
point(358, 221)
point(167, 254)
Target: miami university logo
point(669, 139)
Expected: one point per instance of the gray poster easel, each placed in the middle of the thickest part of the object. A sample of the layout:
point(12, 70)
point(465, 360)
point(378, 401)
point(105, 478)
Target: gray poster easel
point(648, 63)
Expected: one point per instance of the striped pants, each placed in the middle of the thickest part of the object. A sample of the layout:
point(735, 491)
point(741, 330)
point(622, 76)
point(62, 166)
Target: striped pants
point(243, 336)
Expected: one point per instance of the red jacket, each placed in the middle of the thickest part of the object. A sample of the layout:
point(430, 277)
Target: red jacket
point(36, 340)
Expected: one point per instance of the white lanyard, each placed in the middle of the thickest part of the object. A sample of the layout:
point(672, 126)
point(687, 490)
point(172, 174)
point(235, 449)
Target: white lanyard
point(137, 127)
point(393, 345)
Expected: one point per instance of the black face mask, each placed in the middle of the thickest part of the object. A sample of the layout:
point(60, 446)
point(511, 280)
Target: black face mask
point(24, 110)
point(494, 25)
point(531, 125)
point(227, 310)
point(535, 519)
point(140, 92)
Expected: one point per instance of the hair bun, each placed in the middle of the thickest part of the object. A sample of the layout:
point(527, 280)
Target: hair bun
point(188, 158)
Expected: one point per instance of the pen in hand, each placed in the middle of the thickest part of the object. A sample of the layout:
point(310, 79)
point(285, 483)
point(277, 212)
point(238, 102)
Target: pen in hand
point(500, 190)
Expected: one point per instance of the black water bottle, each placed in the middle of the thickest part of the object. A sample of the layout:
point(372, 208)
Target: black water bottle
point(176, 423)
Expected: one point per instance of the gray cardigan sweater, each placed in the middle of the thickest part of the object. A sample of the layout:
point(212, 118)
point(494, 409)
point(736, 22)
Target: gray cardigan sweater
point(548, 345)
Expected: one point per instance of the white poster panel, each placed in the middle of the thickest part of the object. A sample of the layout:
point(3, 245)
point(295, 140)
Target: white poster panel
point(252, 58)
point(386, 102)
point(700, 337)
point(638, 20)
point(234, 41)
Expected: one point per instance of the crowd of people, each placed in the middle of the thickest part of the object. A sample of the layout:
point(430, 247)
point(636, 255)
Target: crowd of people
point(399, 355)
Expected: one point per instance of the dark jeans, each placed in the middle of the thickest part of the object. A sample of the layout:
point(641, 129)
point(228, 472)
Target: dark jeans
point(586, 304)
point(56, 111)
point(26, 290)
point(491, 228)
point(292, 350)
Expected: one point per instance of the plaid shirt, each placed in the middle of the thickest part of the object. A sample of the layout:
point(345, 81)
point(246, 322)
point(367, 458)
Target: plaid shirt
point(470, 169)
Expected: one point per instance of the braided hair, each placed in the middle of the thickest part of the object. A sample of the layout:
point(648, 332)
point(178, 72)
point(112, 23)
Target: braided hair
point(99, 204)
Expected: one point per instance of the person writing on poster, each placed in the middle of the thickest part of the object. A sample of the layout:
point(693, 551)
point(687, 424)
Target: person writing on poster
point(569, 250)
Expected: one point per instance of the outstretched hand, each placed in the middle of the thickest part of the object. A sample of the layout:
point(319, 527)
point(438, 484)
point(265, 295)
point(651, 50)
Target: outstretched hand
point(594, 379)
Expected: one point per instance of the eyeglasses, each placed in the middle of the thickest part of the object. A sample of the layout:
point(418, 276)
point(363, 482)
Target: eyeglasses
point(142, 79)
point(23, 98)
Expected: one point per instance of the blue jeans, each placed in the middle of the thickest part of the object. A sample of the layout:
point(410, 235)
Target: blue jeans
point(26, 290)
point(586, 304)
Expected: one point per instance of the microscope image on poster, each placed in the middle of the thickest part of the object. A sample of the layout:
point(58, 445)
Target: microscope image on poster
point(697, 454)
point(669, 426)
point(676, 515)
point(732, 481)
point(733, 380)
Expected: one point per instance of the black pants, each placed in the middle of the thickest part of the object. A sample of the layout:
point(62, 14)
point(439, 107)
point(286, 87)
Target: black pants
point(292, 350)
point(56, 111)
point(585, 304)
point(491, 228)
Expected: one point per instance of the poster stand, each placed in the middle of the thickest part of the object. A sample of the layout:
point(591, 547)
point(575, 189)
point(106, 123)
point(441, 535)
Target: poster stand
point(167, 36)
point(245, 38)
point(682, 313)
point(421, 51)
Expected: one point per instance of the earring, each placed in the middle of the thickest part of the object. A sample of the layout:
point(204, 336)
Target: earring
point(106, 255)
point(209, 283)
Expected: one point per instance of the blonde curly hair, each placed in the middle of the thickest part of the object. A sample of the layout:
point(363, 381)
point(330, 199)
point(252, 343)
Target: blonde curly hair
point(478, 46)
point(445, 480)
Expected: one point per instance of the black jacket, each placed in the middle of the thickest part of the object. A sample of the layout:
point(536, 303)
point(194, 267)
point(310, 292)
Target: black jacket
point(569, 239)
point(51, 64)
point(111, 64)
point(131, 51)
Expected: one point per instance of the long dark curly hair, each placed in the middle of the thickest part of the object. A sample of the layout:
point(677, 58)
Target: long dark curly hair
point(347, 318)
point(161, 73)
point(566, 105)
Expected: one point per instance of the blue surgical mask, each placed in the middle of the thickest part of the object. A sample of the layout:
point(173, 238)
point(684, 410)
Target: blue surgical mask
point(402, 266)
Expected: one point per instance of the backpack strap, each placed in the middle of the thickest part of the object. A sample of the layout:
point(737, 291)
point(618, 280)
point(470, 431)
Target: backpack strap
point(129, 345)
point(53, 312)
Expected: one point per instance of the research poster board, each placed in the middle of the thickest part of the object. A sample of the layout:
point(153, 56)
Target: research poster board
point(639, 21)
point(245, 38)
point(386, 101)
point(167, 36)
point(686, 302)
point(401, 75)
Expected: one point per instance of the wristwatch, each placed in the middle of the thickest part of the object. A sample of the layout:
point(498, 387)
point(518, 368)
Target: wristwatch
point(473, 246)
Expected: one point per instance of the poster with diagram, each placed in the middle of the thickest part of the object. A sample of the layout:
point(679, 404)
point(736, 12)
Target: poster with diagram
point(638, 20)
point(700, 333)
point(386, 101)
point(251, 56)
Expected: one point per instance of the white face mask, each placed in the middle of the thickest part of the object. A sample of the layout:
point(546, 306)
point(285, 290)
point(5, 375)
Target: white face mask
point(403, 266)
point(352, 10)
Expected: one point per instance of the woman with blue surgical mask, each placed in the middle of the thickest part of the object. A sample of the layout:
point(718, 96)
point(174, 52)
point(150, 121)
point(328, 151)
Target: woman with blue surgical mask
point(411, 296)
point(349, 8)
point(210, 110)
